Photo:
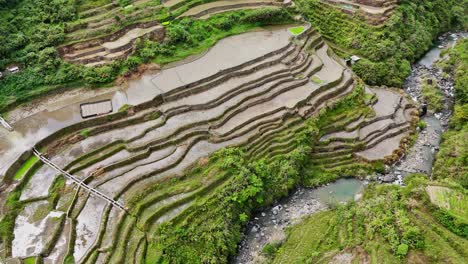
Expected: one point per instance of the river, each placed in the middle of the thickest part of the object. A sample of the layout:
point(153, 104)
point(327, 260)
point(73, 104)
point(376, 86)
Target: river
point(268, 225)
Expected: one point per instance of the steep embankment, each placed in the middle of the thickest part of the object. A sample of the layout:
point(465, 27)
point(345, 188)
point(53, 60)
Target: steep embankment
point(452, 159)
point(391, 224)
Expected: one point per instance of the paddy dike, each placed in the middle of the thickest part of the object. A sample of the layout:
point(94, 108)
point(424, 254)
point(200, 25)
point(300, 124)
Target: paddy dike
point(382, 135)
point(104, 34)
point(179, 116)
point(375, 12)
point(106, 49)
point(206, 10)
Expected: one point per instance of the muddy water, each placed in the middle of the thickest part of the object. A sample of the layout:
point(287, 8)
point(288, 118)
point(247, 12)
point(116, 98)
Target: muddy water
point(42, 119)
point(269, 226)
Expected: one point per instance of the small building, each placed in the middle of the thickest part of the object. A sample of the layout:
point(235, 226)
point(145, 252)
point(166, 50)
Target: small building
point(13, 69)
point(1, 75)
point(352, 60)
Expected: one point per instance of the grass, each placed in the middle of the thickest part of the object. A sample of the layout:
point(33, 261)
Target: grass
point(296, 30)
point(316, 80)
point(26, 166)
point(41, 212)
point(84, 133)
point(89, 4)
point(30, 260)
point(454, 201)
point(433, 96)
point(303, 240)
point(124, 107)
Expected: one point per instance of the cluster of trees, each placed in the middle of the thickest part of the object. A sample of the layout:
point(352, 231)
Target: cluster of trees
point(388, 50)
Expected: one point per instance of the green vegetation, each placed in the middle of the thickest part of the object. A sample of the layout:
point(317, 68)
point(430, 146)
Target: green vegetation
point(387, 50)
point(433, 96)
point(34, 28)
point(452, 159)
point(297, 30)
point(422, 125)
point(210, 230)
point(189, 37)
point(84, 133)
point(30, 260)
point(391, 224)
point(124, 107)
point(316, 80)
point(26, 166)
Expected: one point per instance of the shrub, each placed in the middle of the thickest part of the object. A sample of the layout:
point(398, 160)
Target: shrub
point(402, 250)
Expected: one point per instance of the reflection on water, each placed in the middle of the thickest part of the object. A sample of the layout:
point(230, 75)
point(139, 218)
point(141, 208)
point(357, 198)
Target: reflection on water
point(434, 54)
point(342, 190)
point(118, 100)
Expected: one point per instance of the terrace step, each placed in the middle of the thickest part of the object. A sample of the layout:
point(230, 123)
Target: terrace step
point(96, 51)
point(254, 104)
point(378, 137)
point(224, 6)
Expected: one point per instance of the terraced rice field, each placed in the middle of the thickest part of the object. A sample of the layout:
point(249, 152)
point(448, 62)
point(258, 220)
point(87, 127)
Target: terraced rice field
point(107, 33)
point(256, 98)
point(375, 12)
point(370, 138)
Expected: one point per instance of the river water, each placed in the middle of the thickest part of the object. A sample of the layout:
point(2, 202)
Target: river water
point(268, 226)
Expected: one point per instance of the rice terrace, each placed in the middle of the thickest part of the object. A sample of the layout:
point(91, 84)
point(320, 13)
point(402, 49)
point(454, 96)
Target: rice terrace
point(233, 131)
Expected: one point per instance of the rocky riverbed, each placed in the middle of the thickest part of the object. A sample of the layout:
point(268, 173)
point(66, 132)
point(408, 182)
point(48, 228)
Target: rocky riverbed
point(421, 156)
point(269, 226)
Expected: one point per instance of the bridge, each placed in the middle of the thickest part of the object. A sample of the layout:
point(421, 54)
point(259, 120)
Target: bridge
point(5, 124)
point(79, 182)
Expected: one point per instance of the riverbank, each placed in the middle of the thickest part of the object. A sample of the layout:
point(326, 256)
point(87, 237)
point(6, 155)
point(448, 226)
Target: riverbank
point(420, 158)
point(266, 232)
point(269, 226)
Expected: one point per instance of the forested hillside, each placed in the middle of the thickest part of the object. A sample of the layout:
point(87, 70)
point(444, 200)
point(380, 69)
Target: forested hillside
point(388, 49)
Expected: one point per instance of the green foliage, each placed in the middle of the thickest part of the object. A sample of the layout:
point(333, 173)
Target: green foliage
point(389, 223)
point(56, 189)
point(124, 107)
point(270, 249)
point(26, 166)
point(422, 125)
point(452, 159)
point(30, 260)
point(387, 50)
point(210, 231)
point(297, 30)
point(84, 133)
point(451, 222)
point(402, 250)
point(31, 42)
point(433, 96)
point(124, 3)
